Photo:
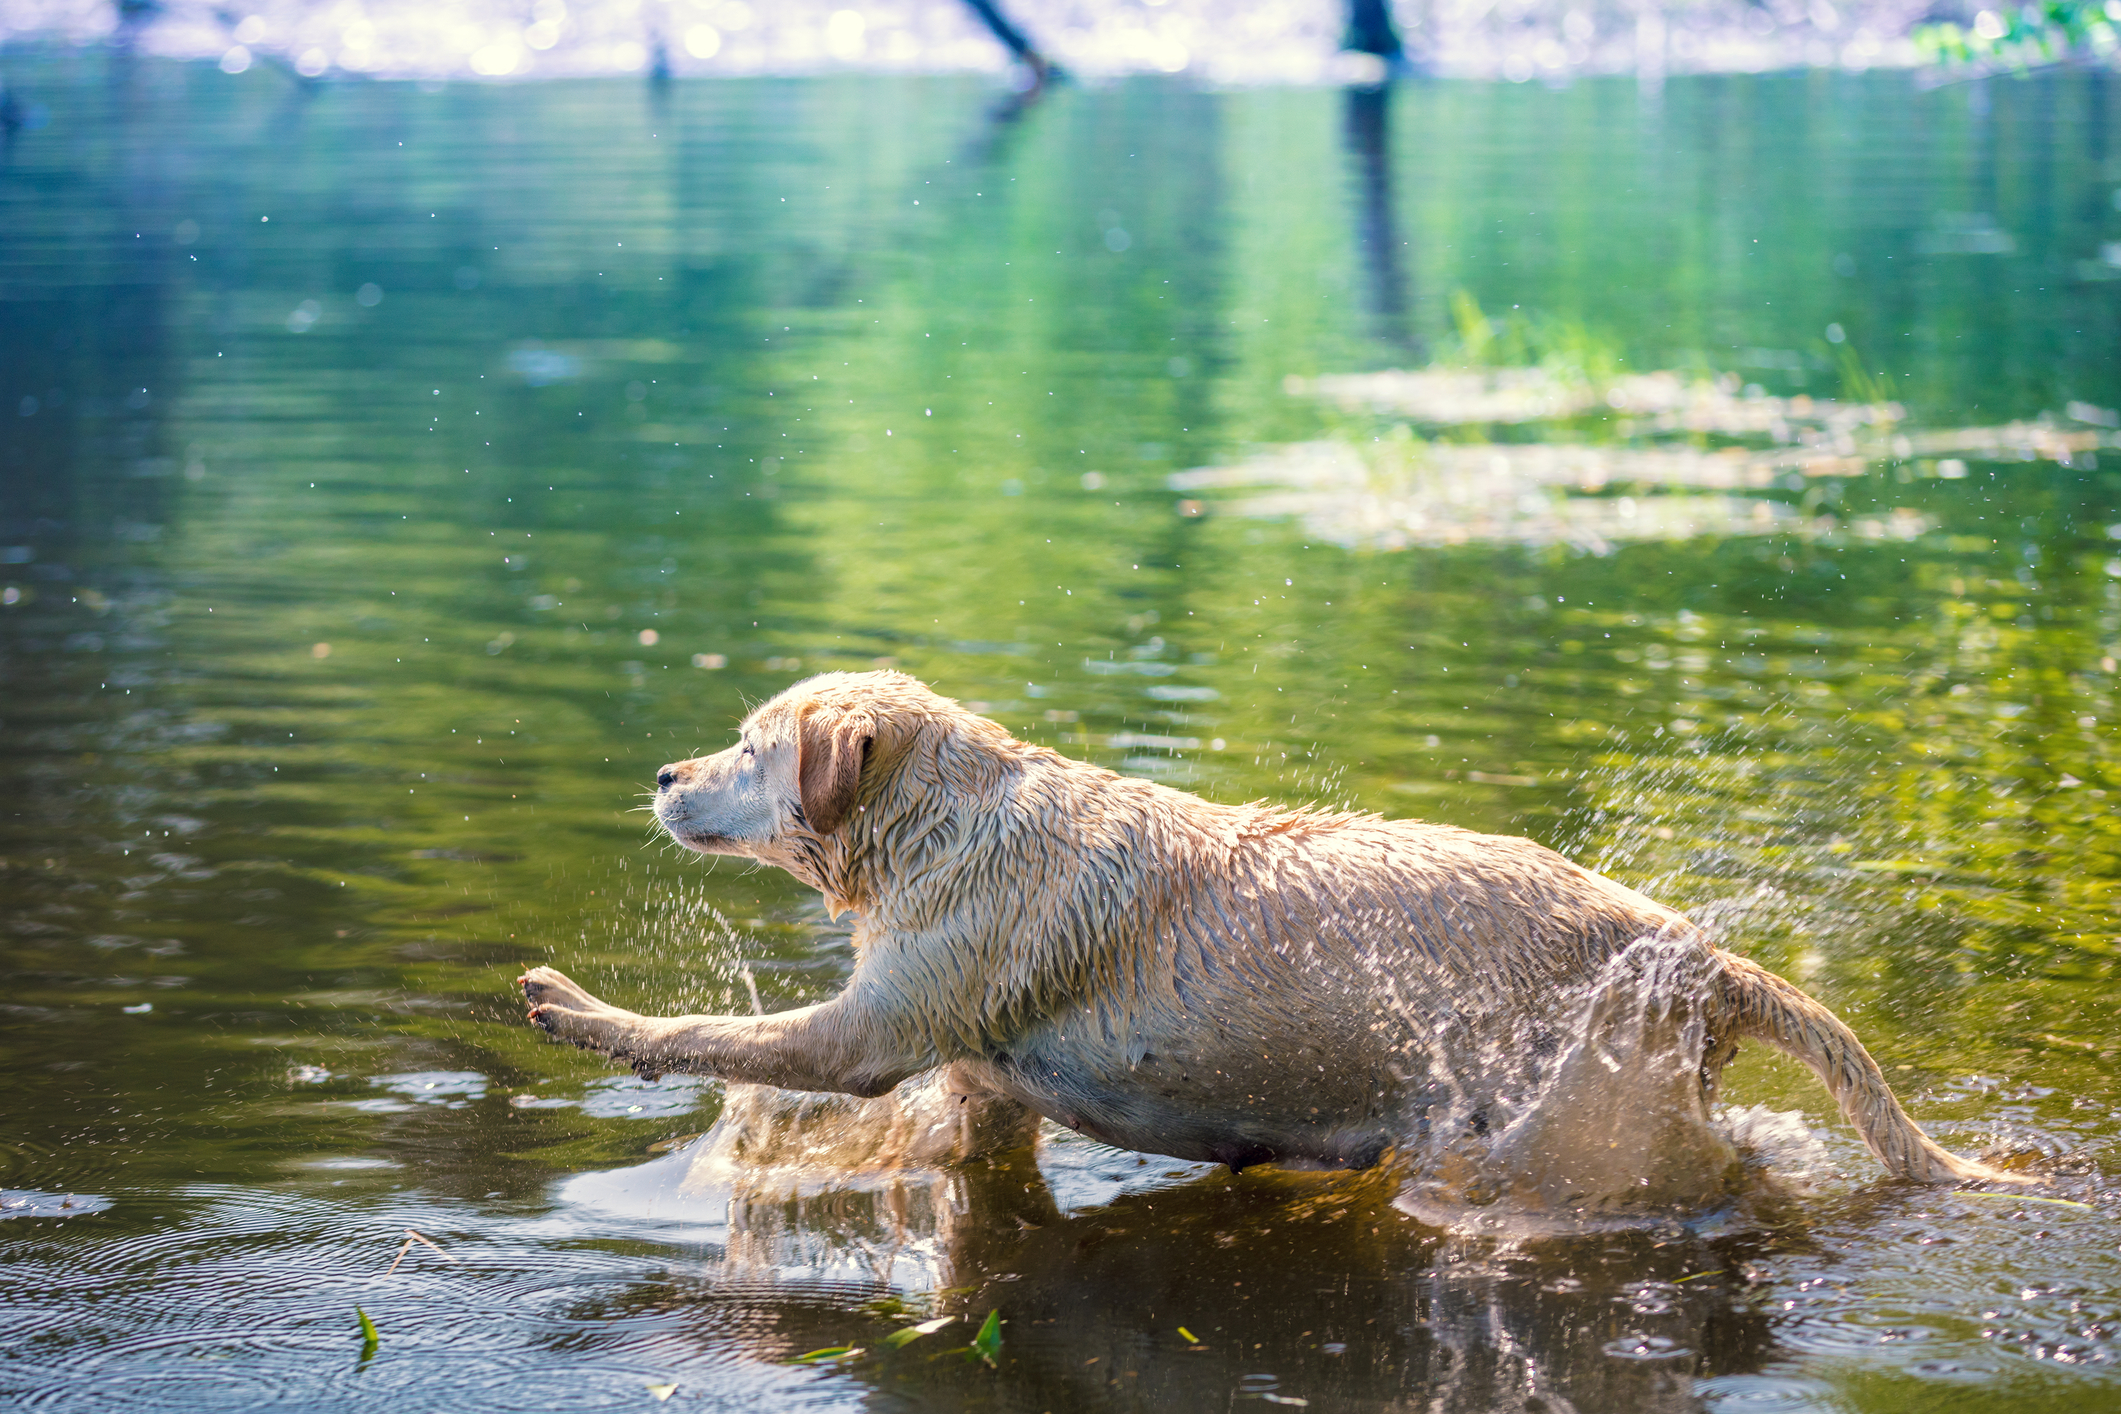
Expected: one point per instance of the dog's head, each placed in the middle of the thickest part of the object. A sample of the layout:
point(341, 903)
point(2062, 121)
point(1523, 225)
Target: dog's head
point(797, 770)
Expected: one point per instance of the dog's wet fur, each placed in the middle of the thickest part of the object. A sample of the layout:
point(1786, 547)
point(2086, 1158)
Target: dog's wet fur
point(1242, 984)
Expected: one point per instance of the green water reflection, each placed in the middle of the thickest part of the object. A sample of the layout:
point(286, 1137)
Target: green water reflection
point(391, 478)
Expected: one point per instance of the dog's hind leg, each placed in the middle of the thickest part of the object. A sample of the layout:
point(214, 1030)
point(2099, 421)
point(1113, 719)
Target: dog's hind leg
point(1622, 1121)
point(1764, 1007)
point(842, 1045)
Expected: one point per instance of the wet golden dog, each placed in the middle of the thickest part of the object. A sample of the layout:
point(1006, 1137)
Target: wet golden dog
point(1236, 983)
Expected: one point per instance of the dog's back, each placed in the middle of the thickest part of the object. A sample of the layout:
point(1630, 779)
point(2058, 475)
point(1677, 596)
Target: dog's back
point(1247, 984)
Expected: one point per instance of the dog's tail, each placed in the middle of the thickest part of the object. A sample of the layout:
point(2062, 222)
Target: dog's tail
point(1764, 1007)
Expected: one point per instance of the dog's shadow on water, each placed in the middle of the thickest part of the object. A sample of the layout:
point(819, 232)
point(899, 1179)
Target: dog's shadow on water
point(1127, 1281)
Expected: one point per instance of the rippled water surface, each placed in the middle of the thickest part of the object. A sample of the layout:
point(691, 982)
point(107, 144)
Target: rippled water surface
point(391, 477)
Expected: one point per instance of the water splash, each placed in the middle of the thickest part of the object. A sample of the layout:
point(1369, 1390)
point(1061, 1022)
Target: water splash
point(32, 1203)
point(1601, 1123)
point(1613, 1131)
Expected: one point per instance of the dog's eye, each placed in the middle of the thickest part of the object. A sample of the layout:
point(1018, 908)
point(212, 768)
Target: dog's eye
point(747, 751)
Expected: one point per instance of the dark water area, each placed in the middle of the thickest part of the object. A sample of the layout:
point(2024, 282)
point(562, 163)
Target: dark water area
point(393, 476)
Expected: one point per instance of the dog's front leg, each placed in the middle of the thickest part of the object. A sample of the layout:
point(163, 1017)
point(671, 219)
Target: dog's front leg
point(840, 1045)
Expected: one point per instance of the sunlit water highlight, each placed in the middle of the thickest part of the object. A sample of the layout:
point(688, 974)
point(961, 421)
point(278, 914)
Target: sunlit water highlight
point(378, 518)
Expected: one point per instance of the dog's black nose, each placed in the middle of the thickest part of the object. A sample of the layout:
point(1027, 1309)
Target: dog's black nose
point(664, 777)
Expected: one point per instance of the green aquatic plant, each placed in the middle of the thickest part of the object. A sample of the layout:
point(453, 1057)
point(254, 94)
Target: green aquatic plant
point(915, 1332)
point(1859, 385)
point(1565, 347)
point(987, 1345)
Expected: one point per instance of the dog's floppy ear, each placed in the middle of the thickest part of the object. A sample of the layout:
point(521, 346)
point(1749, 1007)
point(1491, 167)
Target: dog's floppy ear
point(830, 749)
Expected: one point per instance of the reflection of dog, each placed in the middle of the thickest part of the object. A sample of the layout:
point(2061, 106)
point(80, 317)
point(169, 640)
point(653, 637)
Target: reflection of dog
point(1235, 983)
point(934, 1121)
point(1312, 1276)
point(878, 1189)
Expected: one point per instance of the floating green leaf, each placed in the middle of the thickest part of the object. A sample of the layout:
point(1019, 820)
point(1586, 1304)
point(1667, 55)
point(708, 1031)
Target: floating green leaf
point(913, 1333)
point(988, 1343)
point(829, 1355)
point(662, 1392)
point(1187, 1336)
point(370, 1338)
point(890, 1307)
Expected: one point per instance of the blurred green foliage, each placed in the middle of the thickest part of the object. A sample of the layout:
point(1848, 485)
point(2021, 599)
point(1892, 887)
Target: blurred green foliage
point(2022, 37)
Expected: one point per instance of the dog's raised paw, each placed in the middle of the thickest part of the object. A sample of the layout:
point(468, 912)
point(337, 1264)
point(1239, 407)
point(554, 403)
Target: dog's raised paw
point(591, 1031)
point(563, 1011)
point(549, 985)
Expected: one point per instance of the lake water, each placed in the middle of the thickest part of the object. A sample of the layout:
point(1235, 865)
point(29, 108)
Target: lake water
point(392, 477)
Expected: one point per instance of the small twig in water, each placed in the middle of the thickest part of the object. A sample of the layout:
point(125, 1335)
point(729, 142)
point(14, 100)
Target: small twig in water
point(412, 1236)
point(2025, 1198)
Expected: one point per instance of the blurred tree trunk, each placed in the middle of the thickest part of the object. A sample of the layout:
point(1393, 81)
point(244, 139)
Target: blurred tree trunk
point(1369, 139)
point(1370, 29)
point(1017, 42)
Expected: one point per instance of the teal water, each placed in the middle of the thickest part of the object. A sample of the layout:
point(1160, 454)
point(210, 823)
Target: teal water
point(392, 477)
